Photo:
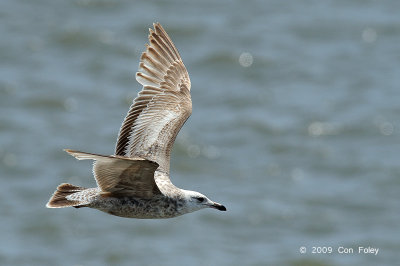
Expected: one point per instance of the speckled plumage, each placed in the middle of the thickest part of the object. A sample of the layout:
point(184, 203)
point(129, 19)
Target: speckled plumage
point(135, 182)
point(157, 207)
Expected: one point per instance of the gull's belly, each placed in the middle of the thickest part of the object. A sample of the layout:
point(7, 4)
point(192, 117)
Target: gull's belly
point(129, 207)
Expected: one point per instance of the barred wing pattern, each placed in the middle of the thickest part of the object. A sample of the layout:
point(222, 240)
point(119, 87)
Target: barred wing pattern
point(161, 108)
point(121, 176)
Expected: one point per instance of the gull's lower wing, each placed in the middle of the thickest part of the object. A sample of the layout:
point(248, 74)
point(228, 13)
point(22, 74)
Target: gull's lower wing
point(121, 176)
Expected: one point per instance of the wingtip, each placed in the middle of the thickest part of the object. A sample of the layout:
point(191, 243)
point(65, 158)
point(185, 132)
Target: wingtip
point(69, 151)
point(158, 28)
point(156, 25)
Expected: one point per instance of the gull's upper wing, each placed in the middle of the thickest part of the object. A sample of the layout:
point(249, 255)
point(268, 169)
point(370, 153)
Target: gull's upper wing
point(121, 176)
point(161, 108)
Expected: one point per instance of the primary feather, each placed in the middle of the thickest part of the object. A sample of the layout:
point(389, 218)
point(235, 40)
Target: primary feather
point(161, 108)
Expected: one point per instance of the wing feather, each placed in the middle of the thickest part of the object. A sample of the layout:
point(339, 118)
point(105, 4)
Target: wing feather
point(121, 176)
point(162, 107)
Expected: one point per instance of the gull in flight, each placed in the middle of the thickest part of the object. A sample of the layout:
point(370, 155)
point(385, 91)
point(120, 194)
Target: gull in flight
point(135, 182)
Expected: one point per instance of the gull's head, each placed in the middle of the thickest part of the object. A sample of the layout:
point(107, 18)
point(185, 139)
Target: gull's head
point(195, 201)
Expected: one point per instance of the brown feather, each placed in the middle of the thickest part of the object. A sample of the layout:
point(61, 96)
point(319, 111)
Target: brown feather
point(161, 108)
point(58, 200)
point(121, 176)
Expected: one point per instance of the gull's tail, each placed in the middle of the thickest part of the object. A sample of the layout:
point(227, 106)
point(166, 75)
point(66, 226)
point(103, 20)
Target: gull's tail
point(59, 198)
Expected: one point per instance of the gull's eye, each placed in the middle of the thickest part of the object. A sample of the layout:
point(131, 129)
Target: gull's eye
point(199, 199)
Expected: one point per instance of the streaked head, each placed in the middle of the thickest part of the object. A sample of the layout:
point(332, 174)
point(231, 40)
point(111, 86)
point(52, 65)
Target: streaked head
point(196, 201)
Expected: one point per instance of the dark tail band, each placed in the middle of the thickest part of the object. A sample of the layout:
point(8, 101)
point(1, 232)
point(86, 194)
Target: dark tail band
point(59, 200)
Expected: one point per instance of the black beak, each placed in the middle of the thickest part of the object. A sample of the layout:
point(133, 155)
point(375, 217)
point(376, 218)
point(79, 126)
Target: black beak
point(218, 206)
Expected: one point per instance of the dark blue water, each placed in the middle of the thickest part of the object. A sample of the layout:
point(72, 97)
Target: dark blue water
point(295, 128)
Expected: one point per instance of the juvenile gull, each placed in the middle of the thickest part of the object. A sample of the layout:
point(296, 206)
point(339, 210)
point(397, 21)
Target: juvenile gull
point(135, 182)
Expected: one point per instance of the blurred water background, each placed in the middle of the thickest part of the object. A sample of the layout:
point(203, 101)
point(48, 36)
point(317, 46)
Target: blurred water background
point(295, 128)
